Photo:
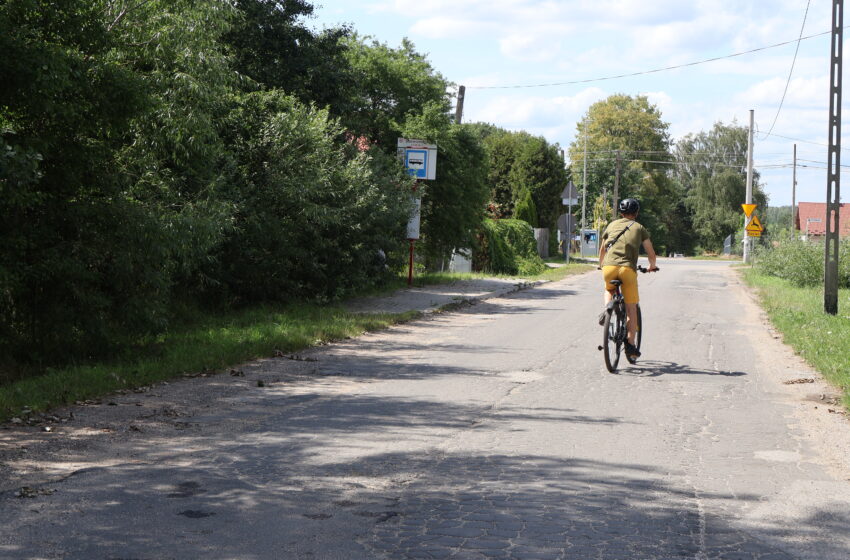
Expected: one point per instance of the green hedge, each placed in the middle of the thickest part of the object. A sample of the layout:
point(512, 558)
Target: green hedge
point(801, 262)
point(507, 247)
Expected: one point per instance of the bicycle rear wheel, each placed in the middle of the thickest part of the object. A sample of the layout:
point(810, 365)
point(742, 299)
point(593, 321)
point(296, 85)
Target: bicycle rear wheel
point(612, 343)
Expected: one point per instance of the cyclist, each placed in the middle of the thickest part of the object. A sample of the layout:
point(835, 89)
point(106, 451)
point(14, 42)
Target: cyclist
point(618, 254)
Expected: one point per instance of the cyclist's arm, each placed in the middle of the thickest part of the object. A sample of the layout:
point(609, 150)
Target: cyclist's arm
point(650, 253)
point(602, 251)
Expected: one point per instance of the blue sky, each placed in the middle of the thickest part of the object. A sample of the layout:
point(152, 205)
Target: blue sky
point(481, 43)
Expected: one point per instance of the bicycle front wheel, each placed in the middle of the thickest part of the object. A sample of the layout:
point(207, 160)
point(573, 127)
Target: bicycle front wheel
point(612, 343)
point(639, 334)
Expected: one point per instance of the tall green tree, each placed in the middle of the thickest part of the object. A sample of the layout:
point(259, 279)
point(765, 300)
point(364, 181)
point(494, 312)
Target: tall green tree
point(539, 169)
point(391, 84)
point(520, 162)
point(74, 268)
point(273, 45)
point(712, 168)
point(631, 129)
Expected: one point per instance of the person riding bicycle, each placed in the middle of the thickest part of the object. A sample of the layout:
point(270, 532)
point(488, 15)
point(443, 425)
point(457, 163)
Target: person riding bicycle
point(618, 255)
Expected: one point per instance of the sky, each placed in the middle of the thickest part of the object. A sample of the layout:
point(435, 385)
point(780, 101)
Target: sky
point(488, 44)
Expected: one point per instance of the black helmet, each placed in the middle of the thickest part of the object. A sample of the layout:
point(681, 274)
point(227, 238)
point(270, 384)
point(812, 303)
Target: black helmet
point(629, 206)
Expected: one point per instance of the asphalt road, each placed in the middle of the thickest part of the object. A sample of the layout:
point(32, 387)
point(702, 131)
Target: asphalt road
point(493, 431)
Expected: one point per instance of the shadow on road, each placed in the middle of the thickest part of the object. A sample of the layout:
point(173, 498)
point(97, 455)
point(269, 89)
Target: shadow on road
point(654, 368)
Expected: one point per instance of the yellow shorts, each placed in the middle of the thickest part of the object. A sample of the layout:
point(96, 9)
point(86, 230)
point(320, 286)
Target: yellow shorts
point(628, 277)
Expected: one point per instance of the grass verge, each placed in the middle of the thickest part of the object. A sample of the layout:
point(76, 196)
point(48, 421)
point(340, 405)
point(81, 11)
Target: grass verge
point(821, 339)
point(208, 343)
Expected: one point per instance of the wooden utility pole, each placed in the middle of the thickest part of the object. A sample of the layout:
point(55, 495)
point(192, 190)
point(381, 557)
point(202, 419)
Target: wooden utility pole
point(616, 186)
point(584, 182)
point(749, 200)
point(461, 93)
point(833, 183)
point(794, 194)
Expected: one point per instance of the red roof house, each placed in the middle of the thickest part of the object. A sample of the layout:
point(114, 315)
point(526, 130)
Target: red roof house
point(813, 215)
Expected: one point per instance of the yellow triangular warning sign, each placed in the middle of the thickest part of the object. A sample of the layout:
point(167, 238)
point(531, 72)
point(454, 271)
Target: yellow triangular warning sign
point(754, 225)
point(748, 209)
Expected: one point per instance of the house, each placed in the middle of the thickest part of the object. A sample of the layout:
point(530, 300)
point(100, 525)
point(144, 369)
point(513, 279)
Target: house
point(811, 219)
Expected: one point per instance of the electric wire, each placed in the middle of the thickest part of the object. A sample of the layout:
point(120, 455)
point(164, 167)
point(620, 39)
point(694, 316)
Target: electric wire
point(654, 70)
point(791, 71)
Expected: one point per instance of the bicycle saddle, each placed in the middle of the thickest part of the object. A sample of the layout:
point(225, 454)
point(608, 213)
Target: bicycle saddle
point(616, 282)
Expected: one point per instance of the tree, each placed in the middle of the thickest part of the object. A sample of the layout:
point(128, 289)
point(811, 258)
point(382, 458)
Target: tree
point(631, 128)
point(391, 84)
point(75, 270)
point(539, 169)
point(272, 45)
point(712, 169)
point(526, 210)
point(520, 163)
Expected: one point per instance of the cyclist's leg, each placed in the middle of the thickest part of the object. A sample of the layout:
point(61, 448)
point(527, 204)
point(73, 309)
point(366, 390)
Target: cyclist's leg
point(610, 273)
point(630, 296)
point(631, 323)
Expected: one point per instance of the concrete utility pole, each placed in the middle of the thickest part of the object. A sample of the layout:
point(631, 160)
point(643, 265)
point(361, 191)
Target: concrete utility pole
point(794, 194)
point(584, 181)
point(461, 93)
point(616, 186)
point(747, 239)
point(833, 183)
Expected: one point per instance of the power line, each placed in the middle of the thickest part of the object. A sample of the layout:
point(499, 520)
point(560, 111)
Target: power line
point(655, 70)
point(793, 61)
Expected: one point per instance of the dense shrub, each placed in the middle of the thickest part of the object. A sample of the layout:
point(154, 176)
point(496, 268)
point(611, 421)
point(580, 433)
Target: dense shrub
point(801, 262)
point(525, 209)
point(312, 215)
point(507, 247)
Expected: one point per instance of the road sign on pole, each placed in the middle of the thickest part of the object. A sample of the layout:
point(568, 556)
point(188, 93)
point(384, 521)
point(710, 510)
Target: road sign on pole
point(748, 209)
point(754, 227)
point(419, 158)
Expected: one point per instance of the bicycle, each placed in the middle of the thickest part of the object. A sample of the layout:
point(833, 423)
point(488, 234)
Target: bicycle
point(614, 328)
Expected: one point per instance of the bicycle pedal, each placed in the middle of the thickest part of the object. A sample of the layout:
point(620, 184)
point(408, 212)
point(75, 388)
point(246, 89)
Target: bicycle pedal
point(599, 347)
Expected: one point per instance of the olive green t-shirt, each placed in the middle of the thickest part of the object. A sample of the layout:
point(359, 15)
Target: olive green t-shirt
point(627, 248)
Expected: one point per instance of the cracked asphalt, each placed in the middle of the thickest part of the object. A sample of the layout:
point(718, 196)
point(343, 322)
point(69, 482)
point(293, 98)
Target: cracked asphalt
point(492, 431)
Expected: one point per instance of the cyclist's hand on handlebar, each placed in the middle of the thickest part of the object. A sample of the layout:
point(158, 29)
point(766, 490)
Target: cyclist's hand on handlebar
point(654, 269)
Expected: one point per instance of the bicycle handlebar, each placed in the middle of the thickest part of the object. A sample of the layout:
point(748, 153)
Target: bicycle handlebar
point(645, 270)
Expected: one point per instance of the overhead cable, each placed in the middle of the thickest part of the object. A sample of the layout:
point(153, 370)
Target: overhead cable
point(791, 71)
point(655, 70)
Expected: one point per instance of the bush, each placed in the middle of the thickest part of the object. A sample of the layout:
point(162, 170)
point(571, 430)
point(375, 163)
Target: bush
point(525, 209)
point(507, 247)
point(801, 262)
point(313, 215)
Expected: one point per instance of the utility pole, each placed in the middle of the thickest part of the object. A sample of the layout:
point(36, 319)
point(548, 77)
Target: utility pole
point(584, 181)
point(747, 239)
point(794, 195)
point(616, 186)
point(833, 183)
point(461, 93)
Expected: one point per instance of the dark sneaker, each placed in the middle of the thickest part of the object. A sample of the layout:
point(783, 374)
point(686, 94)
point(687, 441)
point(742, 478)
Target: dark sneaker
point(632, 353)
point(602, 317)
